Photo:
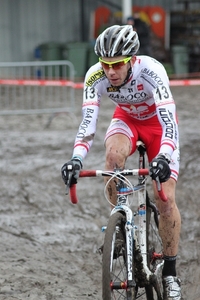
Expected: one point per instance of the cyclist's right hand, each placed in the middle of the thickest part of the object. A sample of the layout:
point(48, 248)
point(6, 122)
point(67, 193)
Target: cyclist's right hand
point(70, 171)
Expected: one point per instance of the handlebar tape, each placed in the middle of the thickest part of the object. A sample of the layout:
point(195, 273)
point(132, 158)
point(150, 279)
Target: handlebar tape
point(73, 196)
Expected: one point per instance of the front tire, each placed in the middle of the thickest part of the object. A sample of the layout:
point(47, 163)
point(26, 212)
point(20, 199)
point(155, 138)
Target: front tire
point(114, 266)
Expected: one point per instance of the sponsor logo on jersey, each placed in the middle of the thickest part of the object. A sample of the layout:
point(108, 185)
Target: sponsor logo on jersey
point(130, 98)
point(168, 119)
point(112, 89)
point(133, 82)
point(140, 87)
point(95, 77)
point(152, 75)
point(88, 112)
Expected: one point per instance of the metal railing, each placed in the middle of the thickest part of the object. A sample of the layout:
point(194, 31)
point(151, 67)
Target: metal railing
point(36, 87)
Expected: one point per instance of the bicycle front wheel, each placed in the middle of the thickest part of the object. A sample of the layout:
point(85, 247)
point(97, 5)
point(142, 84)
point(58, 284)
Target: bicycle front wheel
point(154, 249)
point(114, 266)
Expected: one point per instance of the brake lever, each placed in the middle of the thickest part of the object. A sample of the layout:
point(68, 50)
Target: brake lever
point(158, 185)
point(68, 183)
point(66, 189)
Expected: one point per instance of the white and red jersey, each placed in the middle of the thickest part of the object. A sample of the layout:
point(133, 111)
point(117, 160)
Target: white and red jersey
point(146, 98)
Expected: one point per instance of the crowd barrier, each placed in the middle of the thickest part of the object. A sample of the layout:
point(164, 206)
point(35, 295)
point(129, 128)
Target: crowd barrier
point(44, 87)
point(36, 87)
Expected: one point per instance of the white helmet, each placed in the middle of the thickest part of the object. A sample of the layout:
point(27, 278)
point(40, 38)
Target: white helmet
point(116, 41)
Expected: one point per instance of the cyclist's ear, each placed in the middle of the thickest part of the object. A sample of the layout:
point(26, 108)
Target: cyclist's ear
point(133, 59)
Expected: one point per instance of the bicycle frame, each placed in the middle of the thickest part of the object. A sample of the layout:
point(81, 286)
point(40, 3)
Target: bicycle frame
point(136, 233)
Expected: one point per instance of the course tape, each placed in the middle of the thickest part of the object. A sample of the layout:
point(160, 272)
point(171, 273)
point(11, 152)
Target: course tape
point(185, 82)
point(79, 85)
point(33, 82)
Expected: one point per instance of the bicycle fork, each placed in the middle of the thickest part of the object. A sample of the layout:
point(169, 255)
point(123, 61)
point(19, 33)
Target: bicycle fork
point(129, 229)
point(136, 240)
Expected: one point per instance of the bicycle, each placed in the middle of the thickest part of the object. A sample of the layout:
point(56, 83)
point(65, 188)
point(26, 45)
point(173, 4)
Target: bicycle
point(132, 256)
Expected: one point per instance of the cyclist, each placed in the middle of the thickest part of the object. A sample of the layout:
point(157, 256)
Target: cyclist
point(145, 110)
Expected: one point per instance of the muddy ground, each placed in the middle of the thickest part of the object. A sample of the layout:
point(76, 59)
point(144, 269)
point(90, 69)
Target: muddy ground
point(48, 245)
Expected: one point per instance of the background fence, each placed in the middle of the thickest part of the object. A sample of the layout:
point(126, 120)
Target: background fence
point(36, 87)
point(43, 87)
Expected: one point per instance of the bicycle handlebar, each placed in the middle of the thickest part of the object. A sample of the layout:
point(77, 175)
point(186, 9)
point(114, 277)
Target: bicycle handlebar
point(128, 172)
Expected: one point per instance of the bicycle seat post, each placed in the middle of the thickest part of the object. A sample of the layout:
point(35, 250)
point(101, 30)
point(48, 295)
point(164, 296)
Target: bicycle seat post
point(142, 150)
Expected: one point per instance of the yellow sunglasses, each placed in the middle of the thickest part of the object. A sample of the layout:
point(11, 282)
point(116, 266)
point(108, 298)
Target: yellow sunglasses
point(116, 65)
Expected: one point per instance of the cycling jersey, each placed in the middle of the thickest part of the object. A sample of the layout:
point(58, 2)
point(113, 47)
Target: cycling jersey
point(145, 99)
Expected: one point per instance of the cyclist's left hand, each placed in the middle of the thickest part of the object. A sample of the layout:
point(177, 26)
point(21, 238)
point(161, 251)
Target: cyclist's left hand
point(159, 167)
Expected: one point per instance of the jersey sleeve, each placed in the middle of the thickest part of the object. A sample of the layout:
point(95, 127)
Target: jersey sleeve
point(90, 109)
point(167, 116)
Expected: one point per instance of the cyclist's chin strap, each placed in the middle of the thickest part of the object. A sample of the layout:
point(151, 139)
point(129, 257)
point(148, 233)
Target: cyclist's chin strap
point(127, 76)
point(126, 79)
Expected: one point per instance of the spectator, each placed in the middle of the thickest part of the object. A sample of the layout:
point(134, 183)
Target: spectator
point(143, 31)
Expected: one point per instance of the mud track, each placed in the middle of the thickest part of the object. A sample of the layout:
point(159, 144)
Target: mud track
point(48, 246)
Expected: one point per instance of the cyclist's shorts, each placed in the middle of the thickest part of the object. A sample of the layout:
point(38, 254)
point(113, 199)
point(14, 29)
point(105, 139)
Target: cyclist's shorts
point(148, 131)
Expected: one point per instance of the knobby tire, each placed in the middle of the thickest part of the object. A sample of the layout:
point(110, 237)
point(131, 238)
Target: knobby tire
point(114, 261)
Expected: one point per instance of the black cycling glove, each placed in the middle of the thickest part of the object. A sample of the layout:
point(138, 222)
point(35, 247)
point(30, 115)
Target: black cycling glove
point(70, 171)
point(159, 167)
